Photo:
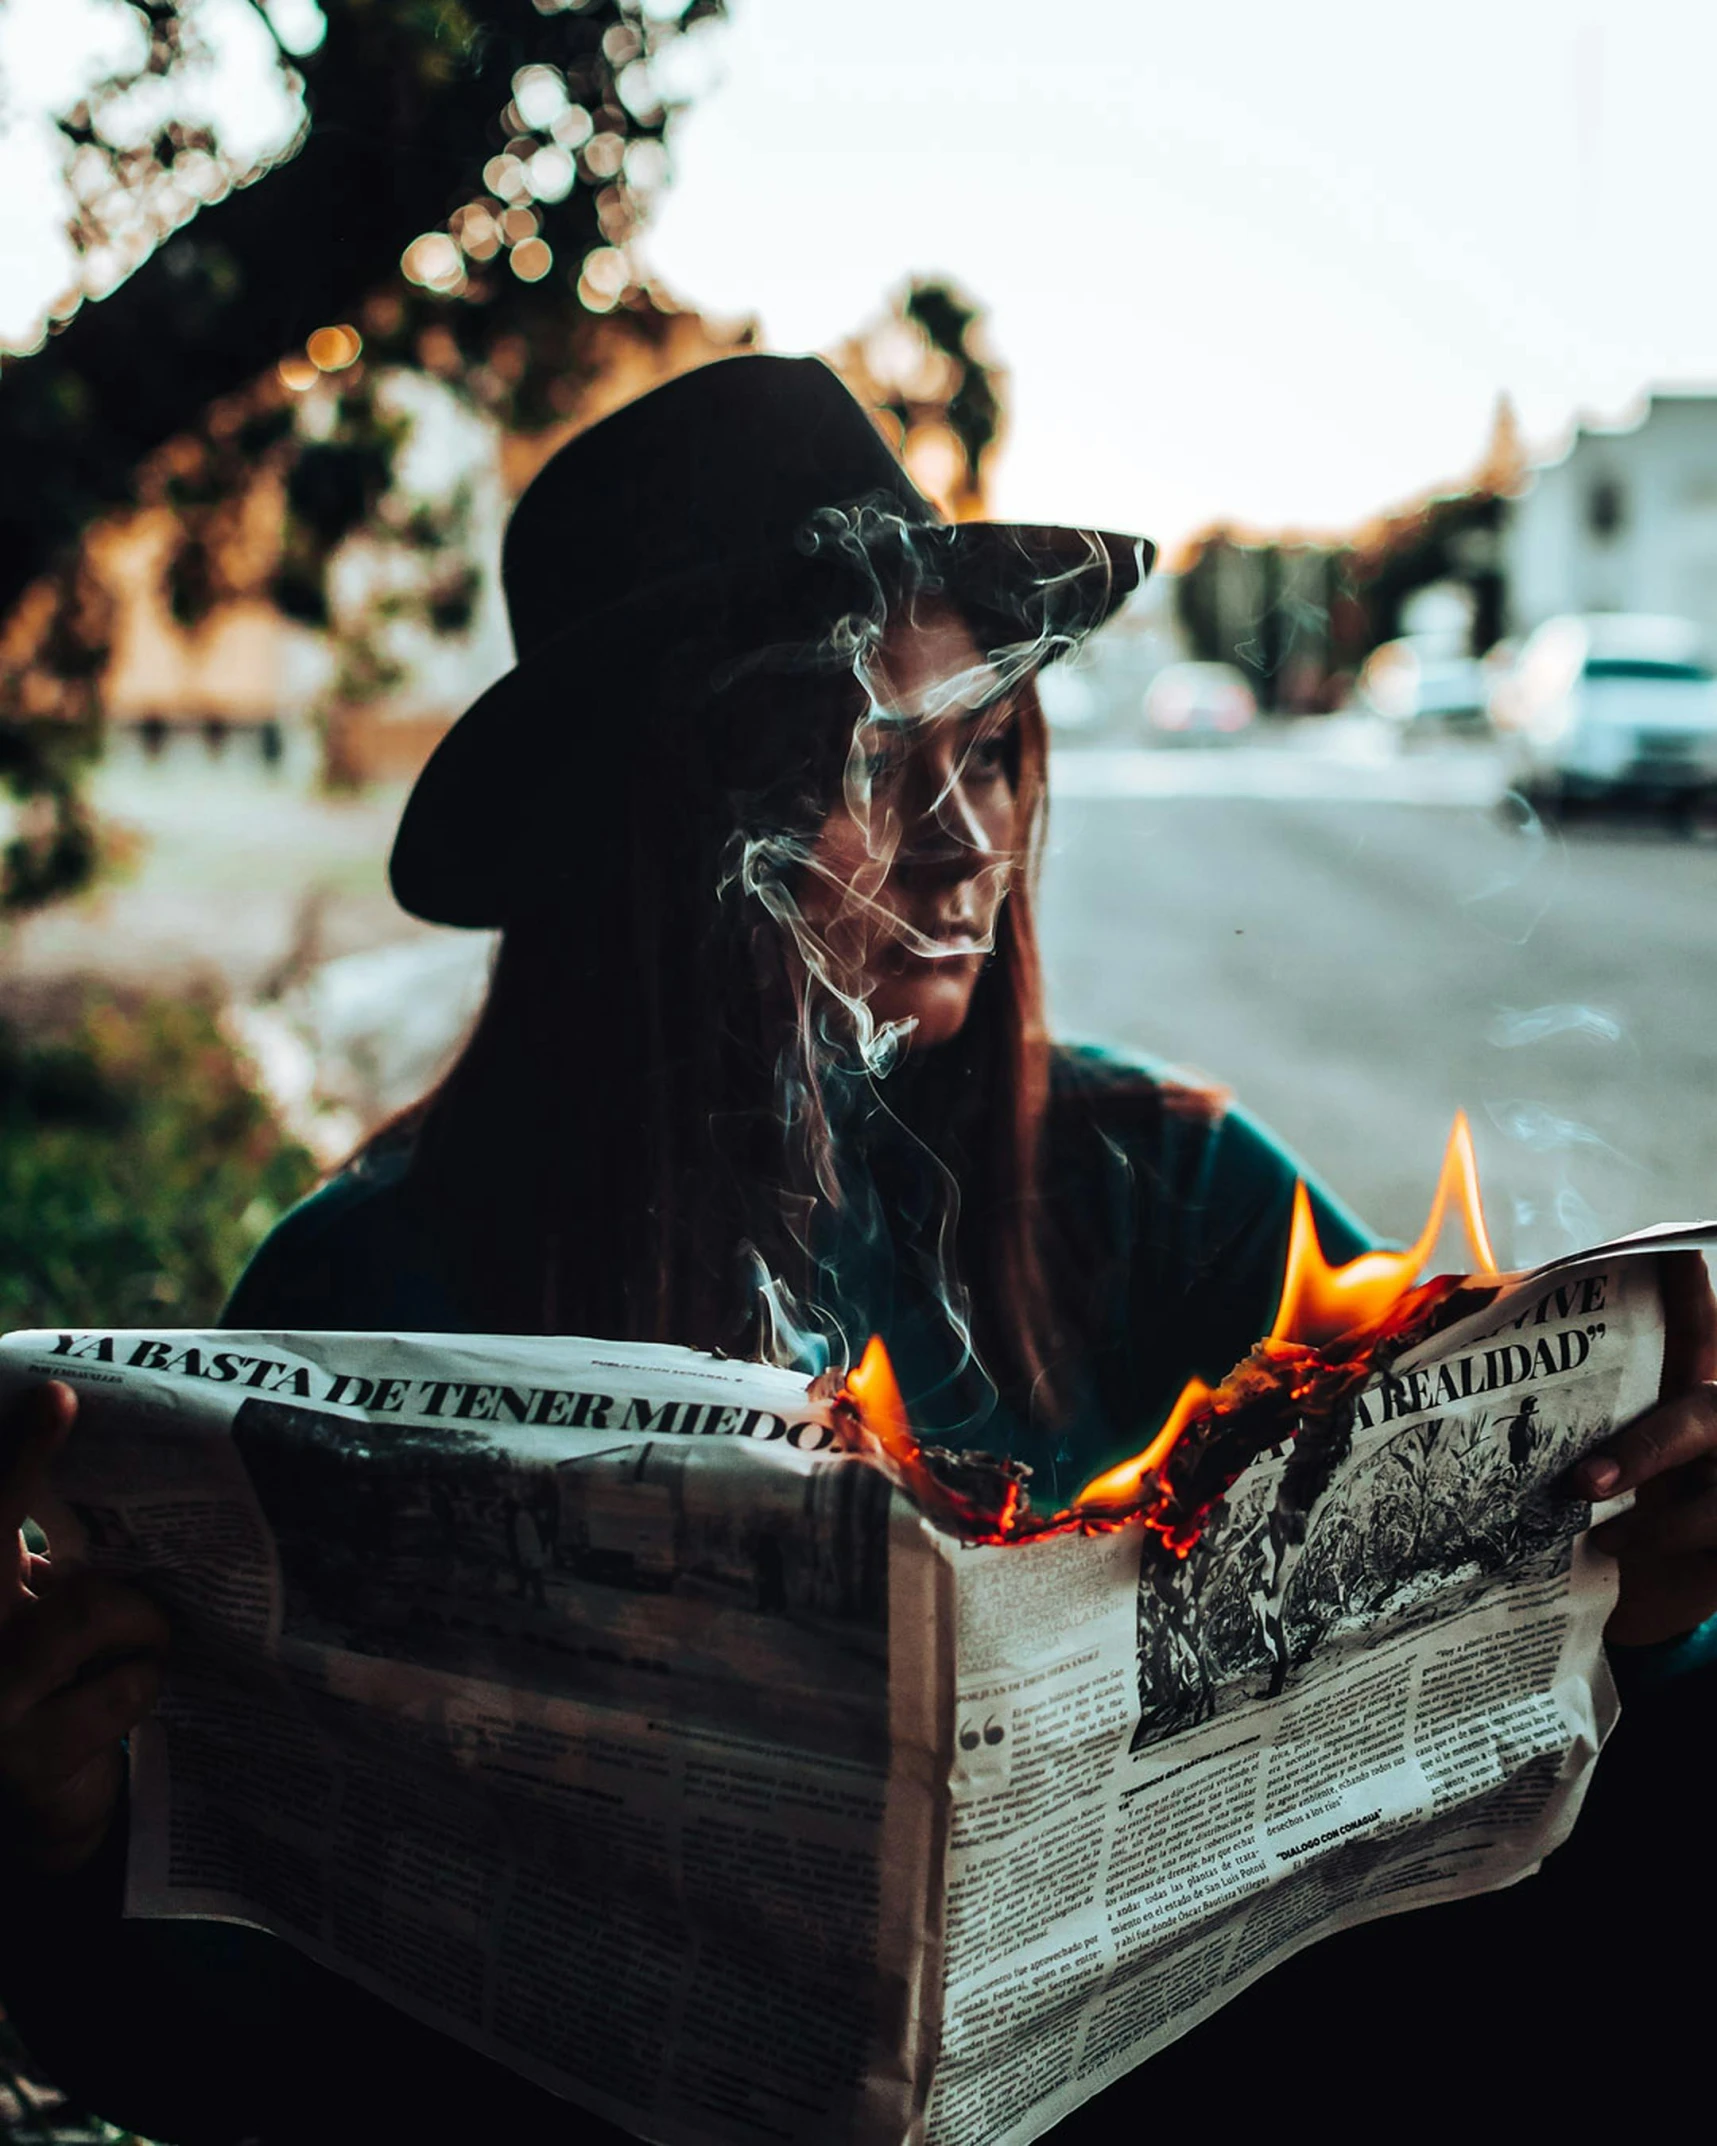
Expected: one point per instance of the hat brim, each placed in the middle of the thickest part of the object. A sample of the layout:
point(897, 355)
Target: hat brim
point(469, 848)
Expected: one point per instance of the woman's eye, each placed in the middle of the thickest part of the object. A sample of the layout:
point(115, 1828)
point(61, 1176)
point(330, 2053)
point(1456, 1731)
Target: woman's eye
point(992, 755)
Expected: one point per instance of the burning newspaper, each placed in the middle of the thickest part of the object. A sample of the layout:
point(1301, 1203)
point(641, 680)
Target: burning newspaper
point(714, 1755)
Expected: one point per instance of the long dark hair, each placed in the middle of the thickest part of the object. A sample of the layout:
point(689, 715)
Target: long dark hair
point(638, 1127)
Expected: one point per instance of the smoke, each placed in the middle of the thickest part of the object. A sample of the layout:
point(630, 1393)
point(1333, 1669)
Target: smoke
point(791, 1337)
point(827, 884)
point(1510, 1030)
point(1560, 1217)
point(1545, 1132)
point(1513, 901)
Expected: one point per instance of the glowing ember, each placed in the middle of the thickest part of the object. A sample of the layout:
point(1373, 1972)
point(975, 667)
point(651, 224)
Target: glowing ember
point(1336, 1327)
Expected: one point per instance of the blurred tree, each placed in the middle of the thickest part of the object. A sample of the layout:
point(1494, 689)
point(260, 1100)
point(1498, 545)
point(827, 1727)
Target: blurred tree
point(923, 366)
point(1274, 607)
point(496, 146)
point(458, 201)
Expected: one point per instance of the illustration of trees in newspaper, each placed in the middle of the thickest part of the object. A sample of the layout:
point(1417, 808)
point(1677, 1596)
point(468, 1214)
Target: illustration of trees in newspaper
point(1429, 1513)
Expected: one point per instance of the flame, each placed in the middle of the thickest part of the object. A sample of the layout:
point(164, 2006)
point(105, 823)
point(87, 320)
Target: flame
point(1321, 1302)
point(875, 1392)
point(980, 1499)
point(1122, 1485)
point(1330, 1322)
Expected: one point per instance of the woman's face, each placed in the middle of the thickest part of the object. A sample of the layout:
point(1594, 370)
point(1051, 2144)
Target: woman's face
point(905, 883)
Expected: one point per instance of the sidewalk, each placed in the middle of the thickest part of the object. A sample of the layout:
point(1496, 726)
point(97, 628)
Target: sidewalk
point(236, 875)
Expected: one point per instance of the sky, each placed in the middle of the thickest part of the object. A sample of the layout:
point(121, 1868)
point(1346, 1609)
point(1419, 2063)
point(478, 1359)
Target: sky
point(1242, 260)
point(1247, 262)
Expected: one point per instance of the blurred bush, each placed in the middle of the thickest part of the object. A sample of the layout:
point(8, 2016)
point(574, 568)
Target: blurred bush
point(139, 1166)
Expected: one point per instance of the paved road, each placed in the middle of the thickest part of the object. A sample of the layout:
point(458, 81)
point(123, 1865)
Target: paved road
point(1356, 968)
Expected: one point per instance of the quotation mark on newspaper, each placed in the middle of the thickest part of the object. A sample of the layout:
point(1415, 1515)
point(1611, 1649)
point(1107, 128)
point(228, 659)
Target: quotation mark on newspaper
point(984, 1741)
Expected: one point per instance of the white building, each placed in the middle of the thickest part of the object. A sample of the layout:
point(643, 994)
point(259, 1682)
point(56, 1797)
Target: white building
point(1624, 520)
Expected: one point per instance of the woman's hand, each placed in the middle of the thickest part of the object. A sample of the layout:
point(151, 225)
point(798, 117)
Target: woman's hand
point(80, 1664)
point(1666, 1546)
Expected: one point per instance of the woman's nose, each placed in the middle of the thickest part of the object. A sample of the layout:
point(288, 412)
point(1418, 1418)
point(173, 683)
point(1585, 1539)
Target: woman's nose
point(950, 831)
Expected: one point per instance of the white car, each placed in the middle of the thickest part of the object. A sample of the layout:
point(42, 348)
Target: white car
point(1413, 683)
point(1199, 700)
point(1611, 704)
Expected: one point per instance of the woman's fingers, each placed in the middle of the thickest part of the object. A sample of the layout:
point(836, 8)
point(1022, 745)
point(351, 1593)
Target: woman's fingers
point(75, 1727)
point(1668, 1436)
point(1681, 1523)
point(56, 1828)
point(47, 1643)
point(30, 1429)
point(1689, 1322)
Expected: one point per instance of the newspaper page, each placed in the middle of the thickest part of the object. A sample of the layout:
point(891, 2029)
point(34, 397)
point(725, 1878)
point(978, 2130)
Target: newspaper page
point(1170, 1775)
point(541, 1688)
point(598, 1707)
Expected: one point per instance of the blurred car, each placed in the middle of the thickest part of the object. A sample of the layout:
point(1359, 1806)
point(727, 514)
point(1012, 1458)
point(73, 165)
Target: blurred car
point(1071, 707)
point(1427, 688)
point(1612, 704)
point(1188, 701)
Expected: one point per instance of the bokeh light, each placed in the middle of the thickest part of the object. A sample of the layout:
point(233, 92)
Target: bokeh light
point(606, 275)
point(505, 175)
point(550, 173)
point(433, 260)
point(297, 374)
point(573, 127)
point(331, 350)
point(532, 259)
point(604, 154)
point(539, 96)
point(646, 165)
point(475, 228)
point(607, 269)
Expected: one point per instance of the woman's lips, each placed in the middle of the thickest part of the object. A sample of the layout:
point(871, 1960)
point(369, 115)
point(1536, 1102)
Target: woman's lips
point(924, 940)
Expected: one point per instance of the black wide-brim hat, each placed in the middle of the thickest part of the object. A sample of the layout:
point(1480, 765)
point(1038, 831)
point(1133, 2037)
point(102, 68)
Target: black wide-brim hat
point(749, 512)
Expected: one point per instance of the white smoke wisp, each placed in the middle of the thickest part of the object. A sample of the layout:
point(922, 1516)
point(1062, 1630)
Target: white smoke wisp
point(1511, 1029)
point(791, 1336)
point(1546, 1131)
point(1536, 873)
point(1560, 1218)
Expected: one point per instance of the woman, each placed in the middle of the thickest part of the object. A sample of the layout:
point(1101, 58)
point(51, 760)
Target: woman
point(762, 1068)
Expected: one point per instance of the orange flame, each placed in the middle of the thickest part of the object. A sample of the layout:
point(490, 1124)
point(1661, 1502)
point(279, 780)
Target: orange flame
point(1321, 1304)
point(875, 1390)
point(987, 1506)
point(1122, 1485)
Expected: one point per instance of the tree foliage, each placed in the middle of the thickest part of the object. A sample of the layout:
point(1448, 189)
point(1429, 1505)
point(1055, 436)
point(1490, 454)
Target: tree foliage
point(924, 365)
point(1286, 608)
point(458, 202)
